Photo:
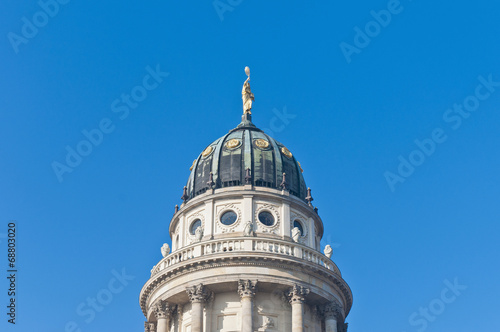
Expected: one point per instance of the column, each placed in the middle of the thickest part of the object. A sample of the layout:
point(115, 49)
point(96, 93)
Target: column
point(297, 297)
point(162, 311)
point(197, 295)
point(333, 313)
point(180, 313)
point(246, 289)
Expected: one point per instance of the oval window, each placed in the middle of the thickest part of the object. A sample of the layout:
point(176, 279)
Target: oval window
point(297, 224)
point(228, 218)
point(266, 218)
point(194, 226)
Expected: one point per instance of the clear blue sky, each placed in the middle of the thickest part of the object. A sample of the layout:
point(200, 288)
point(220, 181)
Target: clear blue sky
point(359, 102)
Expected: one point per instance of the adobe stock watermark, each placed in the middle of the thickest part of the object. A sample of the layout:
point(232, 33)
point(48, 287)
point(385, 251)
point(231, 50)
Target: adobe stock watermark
point(88, 309)
point(453, 117)
point(223, 6)
point(363, 37)
point(279, 121)
point(94, 137)
point(30, 27)
point(420, 319)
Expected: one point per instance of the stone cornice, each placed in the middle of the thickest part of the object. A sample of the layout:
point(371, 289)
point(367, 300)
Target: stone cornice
point(249, 259)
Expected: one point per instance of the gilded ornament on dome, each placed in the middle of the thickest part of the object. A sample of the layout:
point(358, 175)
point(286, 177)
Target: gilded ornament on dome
point(301, 170)
point(286, 152)
point(192, 166)
point(262, 143)
point(207, 151)
point(233, 143)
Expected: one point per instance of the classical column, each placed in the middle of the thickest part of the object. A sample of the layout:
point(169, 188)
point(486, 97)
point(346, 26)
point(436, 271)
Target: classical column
point(162, 311)
point(297, 297)
point(197, 295)
point(180, 313)
point(333, 313)
point(246, 289)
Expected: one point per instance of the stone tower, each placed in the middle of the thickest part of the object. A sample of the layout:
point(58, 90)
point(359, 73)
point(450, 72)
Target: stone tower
point(246, 247)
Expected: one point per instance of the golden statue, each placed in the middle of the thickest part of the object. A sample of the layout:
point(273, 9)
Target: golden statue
point(246, 94)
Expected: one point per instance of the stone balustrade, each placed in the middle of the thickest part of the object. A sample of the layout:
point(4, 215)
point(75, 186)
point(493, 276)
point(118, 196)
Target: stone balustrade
point(254, 245)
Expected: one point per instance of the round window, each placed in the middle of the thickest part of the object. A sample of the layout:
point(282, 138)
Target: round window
point(266, 218)
point(297, 224)
point(194, 226)
point(228, 218)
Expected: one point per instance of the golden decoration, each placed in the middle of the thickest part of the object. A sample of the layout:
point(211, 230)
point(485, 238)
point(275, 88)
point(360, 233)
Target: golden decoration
point(301, 170)
point(233, 143)
point(286, 152)
point(192, 166)
point(207, 151)
point(262, 143)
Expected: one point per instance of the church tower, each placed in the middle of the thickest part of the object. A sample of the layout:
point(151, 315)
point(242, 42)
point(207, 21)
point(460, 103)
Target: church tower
point(246, 246)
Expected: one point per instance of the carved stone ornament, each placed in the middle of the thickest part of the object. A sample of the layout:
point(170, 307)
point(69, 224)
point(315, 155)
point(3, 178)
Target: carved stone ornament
point(149, 327)
point(297, 294)
point(247, 288)
point(248, 230)
point(268, 322)
point(333, 309)
point(165, 249)
point(198, 293)
point(162, 309)
point(199, 234)
point(328, 251)
point(296, 234)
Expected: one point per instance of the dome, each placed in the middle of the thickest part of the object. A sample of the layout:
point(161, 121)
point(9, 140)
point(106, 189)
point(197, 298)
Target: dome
point(245, 155)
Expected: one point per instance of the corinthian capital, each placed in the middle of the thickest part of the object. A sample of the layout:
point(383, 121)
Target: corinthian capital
point(149, 327)
point(297, 294)
point(247, 288)
point(162, 309)
point(198, 293)
point(333, 309)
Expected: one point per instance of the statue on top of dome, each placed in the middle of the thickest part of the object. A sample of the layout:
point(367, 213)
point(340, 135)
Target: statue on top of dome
point(246, 94)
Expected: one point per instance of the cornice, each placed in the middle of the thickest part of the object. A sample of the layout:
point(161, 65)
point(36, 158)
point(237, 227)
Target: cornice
point(250, 259)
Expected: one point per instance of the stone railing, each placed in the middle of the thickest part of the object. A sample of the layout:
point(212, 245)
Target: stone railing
point(254, 245)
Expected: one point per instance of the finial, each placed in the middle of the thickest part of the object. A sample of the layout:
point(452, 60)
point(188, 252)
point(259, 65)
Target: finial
point(176, 208)
point(283, 184)
point(184, 194)
point(247, 95)
point(248, 177)
point(211, 182)
point(309, 198)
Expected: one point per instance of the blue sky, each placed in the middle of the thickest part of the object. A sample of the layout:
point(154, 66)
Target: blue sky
point(352, 121)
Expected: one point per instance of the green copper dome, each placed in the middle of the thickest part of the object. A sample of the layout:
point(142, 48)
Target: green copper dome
point(246, 155)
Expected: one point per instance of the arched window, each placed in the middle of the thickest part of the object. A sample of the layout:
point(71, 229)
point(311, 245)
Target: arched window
point(194, 225)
